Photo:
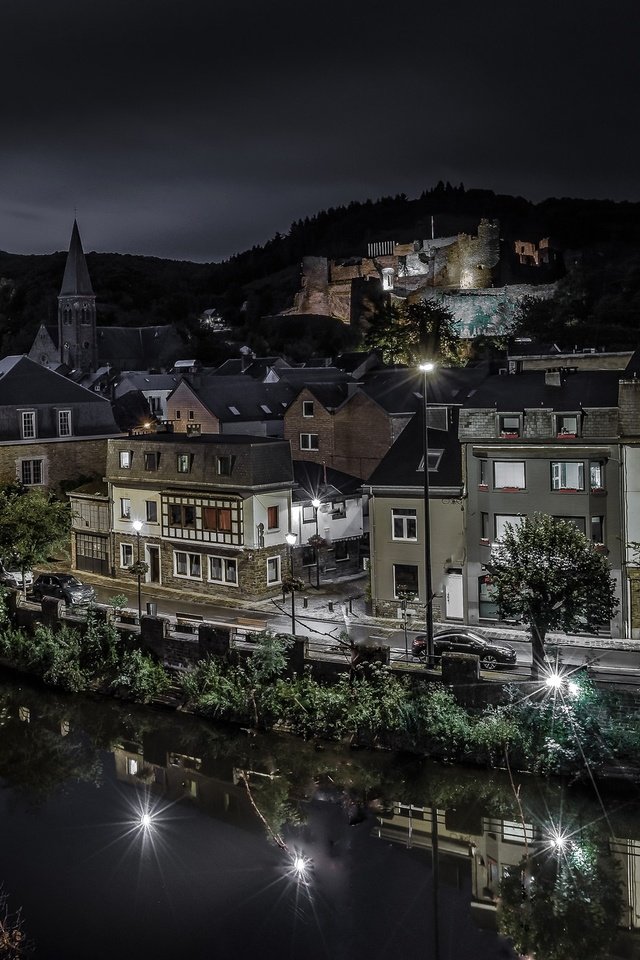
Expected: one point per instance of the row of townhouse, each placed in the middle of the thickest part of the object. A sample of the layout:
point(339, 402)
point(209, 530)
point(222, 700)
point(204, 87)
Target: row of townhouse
point(210, 514)
point(560, 442)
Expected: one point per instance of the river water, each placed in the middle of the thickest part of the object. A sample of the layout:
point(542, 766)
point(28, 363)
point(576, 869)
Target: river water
point(268, 847)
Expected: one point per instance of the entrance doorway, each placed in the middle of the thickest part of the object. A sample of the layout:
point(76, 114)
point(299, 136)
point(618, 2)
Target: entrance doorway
point(153, 559)
point(454, 596)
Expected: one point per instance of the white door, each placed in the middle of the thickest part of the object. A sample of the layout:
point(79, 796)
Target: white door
point(454, 606)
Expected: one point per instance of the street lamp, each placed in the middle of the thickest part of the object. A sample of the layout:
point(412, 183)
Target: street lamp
point(137, 526)
point(426, 368)
point(316, 505)
point(291, 539)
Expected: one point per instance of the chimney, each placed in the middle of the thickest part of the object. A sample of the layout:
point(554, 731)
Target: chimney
point(552, 378)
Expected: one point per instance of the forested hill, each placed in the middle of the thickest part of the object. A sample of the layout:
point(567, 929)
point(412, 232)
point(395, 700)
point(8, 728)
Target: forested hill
point(134, 290)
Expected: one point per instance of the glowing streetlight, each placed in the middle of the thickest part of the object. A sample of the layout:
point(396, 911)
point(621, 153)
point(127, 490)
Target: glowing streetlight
point(427, 367)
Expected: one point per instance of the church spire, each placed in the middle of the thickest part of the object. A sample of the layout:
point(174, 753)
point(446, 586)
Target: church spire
point(76, 280)
point(77, 335)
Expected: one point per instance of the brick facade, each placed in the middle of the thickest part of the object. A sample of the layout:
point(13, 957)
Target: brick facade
point(64, 462)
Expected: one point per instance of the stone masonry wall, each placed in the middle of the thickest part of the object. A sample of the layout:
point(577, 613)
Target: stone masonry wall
point(65, 461)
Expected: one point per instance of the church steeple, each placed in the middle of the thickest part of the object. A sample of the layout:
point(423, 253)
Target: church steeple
point(76, 273)
point(77, 310)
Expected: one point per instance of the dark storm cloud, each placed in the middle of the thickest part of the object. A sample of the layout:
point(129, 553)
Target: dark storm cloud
point(197, 129)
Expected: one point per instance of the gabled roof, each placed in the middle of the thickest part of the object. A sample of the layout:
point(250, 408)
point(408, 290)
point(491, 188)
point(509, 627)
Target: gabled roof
point(520, 391)
point(142, 380)
point(400, 390)
point(324, 483)
point(252, 400)
point(76, 278)
point(401, 465)
point(23, 381)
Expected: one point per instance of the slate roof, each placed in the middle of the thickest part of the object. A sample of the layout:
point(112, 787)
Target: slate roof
point(524, 391)
point(76, 278)
point(244, 394)
point(138, 348)
point(325, 483)
point(23, 381)
point(141, 380)
point(399, 468)
point(399, 390)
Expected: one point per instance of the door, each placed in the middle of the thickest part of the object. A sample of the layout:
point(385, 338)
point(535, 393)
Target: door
point(454, 605)
point(153, 559)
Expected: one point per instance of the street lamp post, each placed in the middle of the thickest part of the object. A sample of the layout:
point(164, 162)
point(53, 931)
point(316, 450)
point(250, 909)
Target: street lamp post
point(426, 368)
point(316, 506)
point(291, 539)
point(137, 526)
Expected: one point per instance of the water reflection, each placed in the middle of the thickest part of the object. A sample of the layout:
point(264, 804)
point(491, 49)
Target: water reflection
point(365, 855)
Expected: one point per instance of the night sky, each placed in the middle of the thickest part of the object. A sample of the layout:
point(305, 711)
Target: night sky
point(197, 128)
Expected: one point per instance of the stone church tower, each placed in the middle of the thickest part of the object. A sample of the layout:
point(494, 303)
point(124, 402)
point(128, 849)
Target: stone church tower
point(77, 336)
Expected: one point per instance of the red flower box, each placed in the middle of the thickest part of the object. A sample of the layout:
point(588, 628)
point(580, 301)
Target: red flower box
point(510, 436)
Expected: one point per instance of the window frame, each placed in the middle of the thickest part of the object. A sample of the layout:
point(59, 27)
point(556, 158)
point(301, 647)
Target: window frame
point(510, 430)
point(125, 455)
point(28, 417)
point(307, 443)
point(557, 467)
point(403, 516)
point(189, 558)
point(403, 596)
point(66, 413)
point(125, 514)
point(271, 527)
point(151, 460)
point(30, 461)
point(561, 429)
point(183, 462)
point(225, 564)
point(305, 409)
point(277, 561)
point(126, 548)
point(154, 504)
point(512, 464)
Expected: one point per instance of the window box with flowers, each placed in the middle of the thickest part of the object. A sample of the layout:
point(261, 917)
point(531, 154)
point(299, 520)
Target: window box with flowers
point(565, 436)
point(483, 486)
point(598, 491)
point(485, 542)
point(600, 548)
point(317, 542)
point(509, 436)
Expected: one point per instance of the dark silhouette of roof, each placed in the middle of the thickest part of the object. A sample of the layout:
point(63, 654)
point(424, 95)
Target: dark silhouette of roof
point(520, 391)
point(401, 465)
point(76, 278)
point(23, 381)
point(315, 480)
point(252, 399)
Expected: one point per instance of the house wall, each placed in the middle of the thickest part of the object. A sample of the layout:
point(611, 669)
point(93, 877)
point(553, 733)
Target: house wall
point(321, 423)
point(447, 550)
point(363, 435)
point(181, 401)
point(64, 460)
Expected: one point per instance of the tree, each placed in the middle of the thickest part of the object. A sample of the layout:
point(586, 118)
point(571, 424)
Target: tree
point(563, 903)
point(33, 524)
point(546, 573)
point(410, 332)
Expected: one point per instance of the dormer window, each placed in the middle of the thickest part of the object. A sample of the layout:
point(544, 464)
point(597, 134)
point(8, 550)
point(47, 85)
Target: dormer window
point(567, 425)
point(510, 425)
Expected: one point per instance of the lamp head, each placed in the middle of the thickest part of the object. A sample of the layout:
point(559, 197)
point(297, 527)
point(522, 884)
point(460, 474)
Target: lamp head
point(137, 525)
point(290, 538)
point(427, 366)
point(315, 503)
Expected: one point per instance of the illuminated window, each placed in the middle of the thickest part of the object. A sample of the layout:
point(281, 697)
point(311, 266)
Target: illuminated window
point(223, 570)
point(508, 475)
point(125, 508)
point(567, 475)
point(126, 554)
point(405, 581)
point(217, 519)
point(125, 459)
point(187, 565)
point(184, 462)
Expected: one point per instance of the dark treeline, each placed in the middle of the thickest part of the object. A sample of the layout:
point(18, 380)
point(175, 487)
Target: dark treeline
point(133, 290)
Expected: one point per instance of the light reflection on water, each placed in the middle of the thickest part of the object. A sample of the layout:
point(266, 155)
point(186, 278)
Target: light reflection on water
point(128, 832)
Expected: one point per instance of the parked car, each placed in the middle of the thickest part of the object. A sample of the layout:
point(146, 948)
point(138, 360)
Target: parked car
point(12, 576)
point(492, 655)
point(65, 587)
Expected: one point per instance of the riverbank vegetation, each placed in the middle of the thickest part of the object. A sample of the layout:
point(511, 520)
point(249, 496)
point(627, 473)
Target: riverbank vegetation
point(570, 729)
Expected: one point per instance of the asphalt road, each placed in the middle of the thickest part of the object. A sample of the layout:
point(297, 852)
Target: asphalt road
point(607, 664)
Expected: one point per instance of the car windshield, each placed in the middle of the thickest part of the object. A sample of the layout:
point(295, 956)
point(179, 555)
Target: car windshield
point(70, 582)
